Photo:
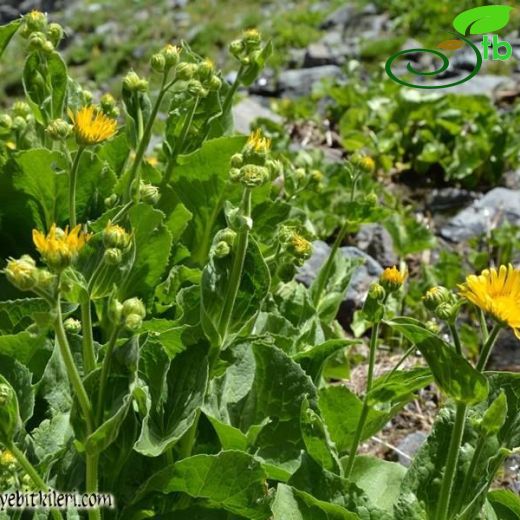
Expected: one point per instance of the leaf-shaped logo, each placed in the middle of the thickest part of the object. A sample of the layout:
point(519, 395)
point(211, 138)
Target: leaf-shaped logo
point(480, 20)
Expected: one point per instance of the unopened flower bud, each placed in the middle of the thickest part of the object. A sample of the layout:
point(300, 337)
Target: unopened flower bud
point(59, 130)
point(236, 47)
point(108, 105)
point(133, 322)
point(37, 41)
point(133, 306)
point(446, 311)
point(134, 83)
point(195, 88)
point(214, 83)
point(299, 174)
point(171, 55)
point(6, 122)
point(19, 124)
point(433, 326)
point(149, 193)
point(55, 33)
point(21, 108)
point(377, 292)
point(87, 96)
point(364, 163)
point(35, 21)
point(251, 38)
point(111, 201)
point(435, 296)
point(22, 273)
point(48, 47)
point(9, 414)
point(113, 256)
point(221, 250)
point(158, 62)
point(205, 69)
point(115, 310)
point(495, 416)
point(115, 236)
point(186, 71)
point(253, 175)
point(371, 198)
point(237, 160)
point(72, 326)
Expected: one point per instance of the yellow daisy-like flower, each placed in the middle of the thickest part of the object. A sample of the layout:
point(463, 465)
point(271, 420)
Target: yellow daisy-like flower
point(497, 293)
point(258, 143)
point(92, 126)
point(60, 248)
point(392, 279)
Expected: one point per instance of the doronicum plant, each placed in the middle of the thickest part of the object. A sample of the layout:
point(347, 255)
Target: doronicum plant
point(155, 345)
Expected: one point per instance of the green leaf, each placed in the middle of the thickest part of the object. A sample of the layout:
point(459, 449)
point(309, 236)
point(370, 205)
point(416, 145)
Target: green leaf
point(506, 504)
point(29, 349)
point(251, 71)
point(20, 379)
point(57, 71)
point(231, 480)
point(254, 286)
point(451, 371)
point(341, 409)
point(202, 184)
point(379, 479)
point(481, 20)
point(177, 392)
point(7, 32)
point(293, 504)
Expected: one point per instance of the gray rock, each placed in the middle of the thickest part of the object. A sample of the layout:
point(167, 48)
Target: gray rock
point(248, 110)
point(497, 206)
point(300, 82)
point(483, 84)
point(319, 54)
point(409, 447)
point(506, 353)
point(449, 198)
point(340, 17)
point(363, 276)
point(511, 179)
point(376, 241)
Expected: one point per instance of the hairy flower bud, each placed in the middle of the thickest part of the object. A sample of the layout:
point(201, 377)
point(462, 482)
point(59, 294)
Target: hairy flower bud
point(72, 326)
point(236, 47)
point(149, 193)
point(108, 105)
point(186, 71)
point(134, 83)
point(59, 130)
point(364, 163)
point(251, 38)
point(22, 273)
point(253, 175)
point(35, 21)
point(21, 108)
point(446, 311)
point(195, 88)
point(133, 322)
point(377, 292)
point(221, 249)
point(237, 160)
point(214, 83)
point(115, 236)
point(113, 256)
point(133, 306)
point(55, 33)
point(19, 124)
point(435, 296)
point(9, 413)
point(158, 62)
point(171, 55)
point(115, 310)
point(6, 122)
point(37, 41)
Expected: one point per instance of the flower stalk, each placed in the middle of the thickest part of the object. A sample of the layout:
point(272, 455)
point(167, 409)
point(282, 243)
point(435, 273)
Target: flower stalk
point(72, 186)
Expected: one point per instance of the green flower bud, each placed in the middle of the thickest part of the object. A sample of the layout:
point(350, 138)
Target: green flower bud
point(115, 310)
point(115, 236)
point(108, 105)
point(234, 174)
point(221, 250)
point(299, 246)
point(299, 174)
point(227, 235)
point(133, 83)
point(72, 326)
point(364, 163)
point(214, 83)
point(205, 69)
point(253, 175)
point(433, 326)
point(158, 62)
point(19, 124)
point(87, 96)
point(435, 296)
point(186, 71)
point(133, 306)
point(22, 273)
point(113, 256)
point(251, 39)
point(37, 41)
point(495, 416)
point(6, 122)
point(35, 21)
point(133, 322)
point(111, 201)
point(237, 160)
point(149, 193)
point(392, 279)
point(171, 55)
point(195, 88)
point(446, 311)
point(9, 413)
point(371, 198)
point(55, 33)
point(21, 108)
point(48, 47)
point(59, 130)
point(236, 47)
point(316, 176)
point(377, 292)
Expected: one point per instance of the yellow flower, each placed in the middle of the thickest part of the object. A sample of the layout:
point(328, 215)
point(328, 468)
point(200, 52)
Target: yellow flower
point(301, 246)
point(497, 293)
point(258, 143)
point(91, 126)
point(60, 248)
point(392, 279)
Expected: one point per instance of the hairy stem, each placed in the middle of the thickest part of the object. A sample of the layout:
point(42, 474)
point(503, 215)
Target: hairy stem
point(487, 348)
point(72, 186)
point(456, 338)
point(89, 354)
point(365, 408)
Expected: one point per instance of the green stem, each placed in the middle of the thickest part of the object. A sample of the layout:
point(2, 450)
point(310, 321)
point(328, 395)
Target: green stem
point(483, 326)
point(92, 482)
point(180, 142)
point(236, 269)
point(365, 408)
point(89, 354)
point(105, 370)
point(475, 459)
point(487, 348)
point(145, 141)
point(72, 371)
point(31, 471)
point(451, 462)
point(456, 338)
point(72, 186)
point(231, 92)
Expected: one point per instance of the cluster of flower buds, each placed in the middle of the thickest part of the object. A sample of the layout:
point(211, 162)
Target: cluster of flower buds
point(201, 78)
point(25, 276)
point(16, 124)
point(223, 242)
point(247, 48)
point(108, 106)
point(117, 242)
point(42, 35)
point(59, 130)
point(167, 58)
point(129, 314)
point(252, 167)
point(442, 302)
point(132, 82)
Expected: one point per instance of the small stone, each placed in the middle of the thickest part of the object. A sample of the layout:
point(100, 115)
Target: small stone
point(376, 241)
point(449, 198)
point(248, 110)
point(300, 82)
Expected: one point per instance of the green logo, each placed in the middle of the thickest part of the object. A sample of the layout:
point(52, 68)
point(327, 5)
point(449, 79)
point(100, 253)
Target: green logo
point(480, 20)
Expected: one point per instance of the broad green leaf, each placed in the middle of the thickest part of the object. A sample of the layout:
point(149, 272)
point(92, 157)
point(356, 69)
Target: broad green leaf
point(505, 503)
point(480, 20)
point(451, 371)
point(231, 480)
point(293, 504)
point(254, 286)
point(341, 409)
point(230, 438)
point(177, 391)
point(202, 184)
point(20, 379)
point(379, 479)
point(7, 32)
